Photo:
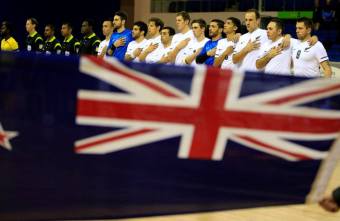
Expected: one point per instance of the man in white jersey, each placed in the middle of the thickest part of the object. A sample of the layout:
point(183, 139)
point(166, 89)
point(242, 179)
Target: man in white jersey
point(308, 59)
point(272, 57)
point(155, 25)
point(192, 48)
point(182, 22)
point(247, 48)
point(135, 47)
point(107, 29)
point(161, 52)
point(225, 47)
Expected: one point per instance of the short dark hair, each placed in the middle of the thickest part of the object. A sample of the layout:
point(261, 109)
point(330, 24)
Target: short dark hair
point(9, 25)
point(185, 15)
point(122, 15)
point(200, 21)
point(278, 22)
point(158, 22)
point(34, 21)
point(51, 26)
point(142, 26)
point(90, 22)
point(307, 22)
point(171, 30)
point(109, 20)
point(236, 22)
point(68, 24)
point(219, 22)
point(257, 14)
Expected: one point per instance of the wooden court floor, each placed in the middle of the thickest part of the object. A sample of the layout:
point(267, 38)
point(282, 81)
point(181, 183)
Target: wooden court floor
point(300, 212)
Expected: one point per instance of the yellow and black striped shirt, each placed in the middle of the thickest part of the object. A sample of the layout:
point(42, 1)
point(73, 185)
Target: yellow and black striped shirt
point(34, 43)
point(70, 46)
point(90, 44)
point(52, 46)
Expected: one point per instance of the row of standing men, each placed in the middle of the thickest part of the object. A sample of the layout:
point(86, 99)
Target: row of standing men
point(257, 50)
point(35, 42)
point(268, 50)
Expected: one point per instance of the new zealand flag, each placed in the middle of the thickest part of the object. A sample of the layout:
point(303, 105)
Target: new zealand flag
point(92, 138)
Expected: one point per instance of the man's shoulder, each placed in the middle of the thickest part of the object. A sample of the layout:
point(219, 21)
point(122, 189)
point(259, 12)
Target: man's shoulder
point(258, 32)
point(270, 43)
point(155, 40)
point(127, 31)
point(114, 34)
point(177, 35)
point(206, 40)
point(297, 44)
point(262, 31)
point(319, 45)
point(189, 34)
point(104, 42)
point(132, 43)
point(37, 37)
point(55, 41)
point(196, 43)
point(244, 37)
point(145, 42)
point(74, 40)
point(222, 43)
point(293, 41)
point(96, 38)
point(11, 40)
point(210, 43)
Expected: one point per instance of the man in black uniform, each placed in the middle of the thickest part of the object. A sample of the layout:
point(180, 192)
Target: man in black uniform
point(70, 44)
point(34, 42)
point(90, 43)
point(52, 45)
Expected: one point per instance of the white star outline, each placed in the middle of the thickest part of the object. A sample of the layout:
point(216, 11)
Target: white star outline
point(5, 136)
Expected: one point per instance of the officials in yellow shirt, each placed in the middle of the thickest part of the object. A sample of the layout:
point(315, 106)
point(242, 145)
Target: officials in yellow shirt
point(8, 43)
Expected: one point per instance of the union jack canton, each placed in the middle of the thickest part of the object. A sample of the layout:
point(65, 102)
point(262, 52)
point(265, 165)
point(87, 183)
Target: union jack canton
point(207, 117)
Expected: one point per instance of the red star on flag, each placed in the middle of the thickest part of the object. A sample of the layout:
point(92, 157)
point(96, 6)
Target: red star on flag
point(5, 136)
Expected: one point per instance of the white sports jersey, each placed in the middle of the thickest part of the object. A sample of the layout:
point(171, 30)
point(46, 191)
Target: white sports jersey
point(307, 59)
point(158, 53)
point(133, 45)
point(281, 63)
point(192, 47)
point(151, 57)
point(176, 40)
point(222, 45)
point(249, 61)
point(156, 40)
point(102, 45)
